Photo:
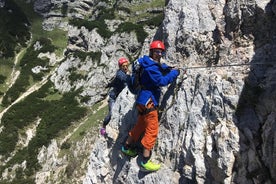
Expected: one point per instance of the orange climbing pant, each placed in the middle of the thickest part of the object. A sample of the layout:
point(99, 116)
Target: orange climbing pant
point(146, 124)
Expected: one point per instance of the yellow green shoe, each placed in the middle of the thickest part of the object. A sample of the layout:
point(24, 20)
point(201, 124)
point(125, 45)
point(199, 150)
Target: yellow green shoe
point(129, 152)
point(150, 166)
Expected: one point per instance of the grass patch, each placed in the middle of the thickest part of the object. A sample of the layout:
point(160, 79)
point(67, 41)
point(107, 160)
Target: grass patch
point(59, 40)
point(143, 7)
point(5, 71)
point(147, 5)
point(94, 116)
point(6, 66)
point(58, 36)
point(92, 121)
point(53, 97)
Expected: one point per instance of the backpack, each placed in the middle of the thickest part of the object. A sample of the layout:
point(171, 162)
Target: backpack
point(134, 80)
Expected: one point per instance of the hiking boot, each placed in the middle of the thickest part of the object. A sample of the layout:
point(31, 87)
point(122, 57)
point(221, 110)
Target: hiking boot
point(103, 131)
point(129, 152)
point(150, 166)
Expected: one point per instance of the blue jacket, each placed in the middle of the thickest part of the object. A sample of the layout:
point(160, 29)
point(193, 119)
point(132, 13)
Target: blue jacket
point(153, 77)
point(118, 84)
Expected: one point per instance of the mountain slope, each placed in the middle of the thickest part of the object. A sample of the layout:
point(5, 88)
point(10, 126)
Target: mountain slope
point(62, 113)
point(217, 124)
point(213, 126)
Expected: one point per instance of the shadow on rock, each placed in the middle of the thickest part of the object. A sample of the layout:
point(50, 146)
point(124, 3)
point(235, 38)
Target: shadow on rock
point(117, 158)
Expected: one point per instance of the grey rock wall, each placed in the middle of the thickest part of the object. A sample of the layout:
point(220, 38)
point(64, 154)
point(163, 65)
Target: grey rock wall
point(217, 124)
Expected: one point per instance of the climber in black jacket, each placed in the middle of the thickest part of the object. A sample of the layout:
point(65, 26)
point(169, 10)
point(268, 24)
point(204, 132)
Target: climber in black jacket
point(117, 85)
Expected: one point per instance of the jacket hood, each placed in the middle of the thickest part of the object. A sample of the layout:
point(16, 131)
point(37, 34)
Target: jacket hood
point(147, 61)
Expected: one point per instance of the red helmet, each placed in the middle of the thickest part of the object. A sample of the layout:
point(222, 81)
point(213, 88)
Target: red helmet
point(122, 60)
point(157, 44)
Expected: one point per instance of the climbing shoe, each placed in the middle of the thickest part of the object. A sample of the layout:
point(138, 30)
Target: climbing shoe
point(150, 166)
point(130, 152)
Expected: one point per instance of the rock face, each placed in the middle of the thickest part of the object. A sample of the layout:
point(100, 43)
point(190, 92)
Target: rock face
point(217, 124)
point(217, 121)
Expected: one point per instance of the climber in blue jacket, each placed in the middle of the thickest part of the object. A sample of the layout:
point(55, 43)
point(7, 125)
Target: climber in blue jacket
point(153, 77)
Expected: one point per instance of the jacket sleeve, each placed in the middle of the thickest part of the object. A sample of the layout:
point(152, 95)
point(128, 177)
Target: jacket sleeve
point(165, 68)
point(163, 80)
point(122, 77)
point(111, 82)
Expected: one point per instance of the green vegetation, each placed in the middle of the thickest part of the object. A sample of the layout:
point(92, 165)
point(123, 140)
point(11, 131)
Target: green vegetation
point(6, 66)
point(17, 20)
point(53, 95)
point(57, 36)
point(28, 61)
point(54, 112)
point(155, 21)
point(104, 32)
point(14, 30)
point(84, 99)
point(82, 55)
point(100, 25)
point(19, 181)
point(134, 21)
point(90, 123)
point(106, 14)
point(96, 113)
point(147, 5)
point(78, 75)
point(124, 9)
point(64, 9)
point(143, 9)
point(74, 76)
point(128, 27)
point(2, 79)
point(55, 117)
point(14, 34)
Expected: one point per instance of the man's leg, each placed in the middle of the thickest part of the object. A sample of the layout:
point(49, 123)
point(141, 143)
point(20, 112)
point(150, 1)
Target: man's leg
point(134, 136)
point(149, 140)
point(106, 120)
